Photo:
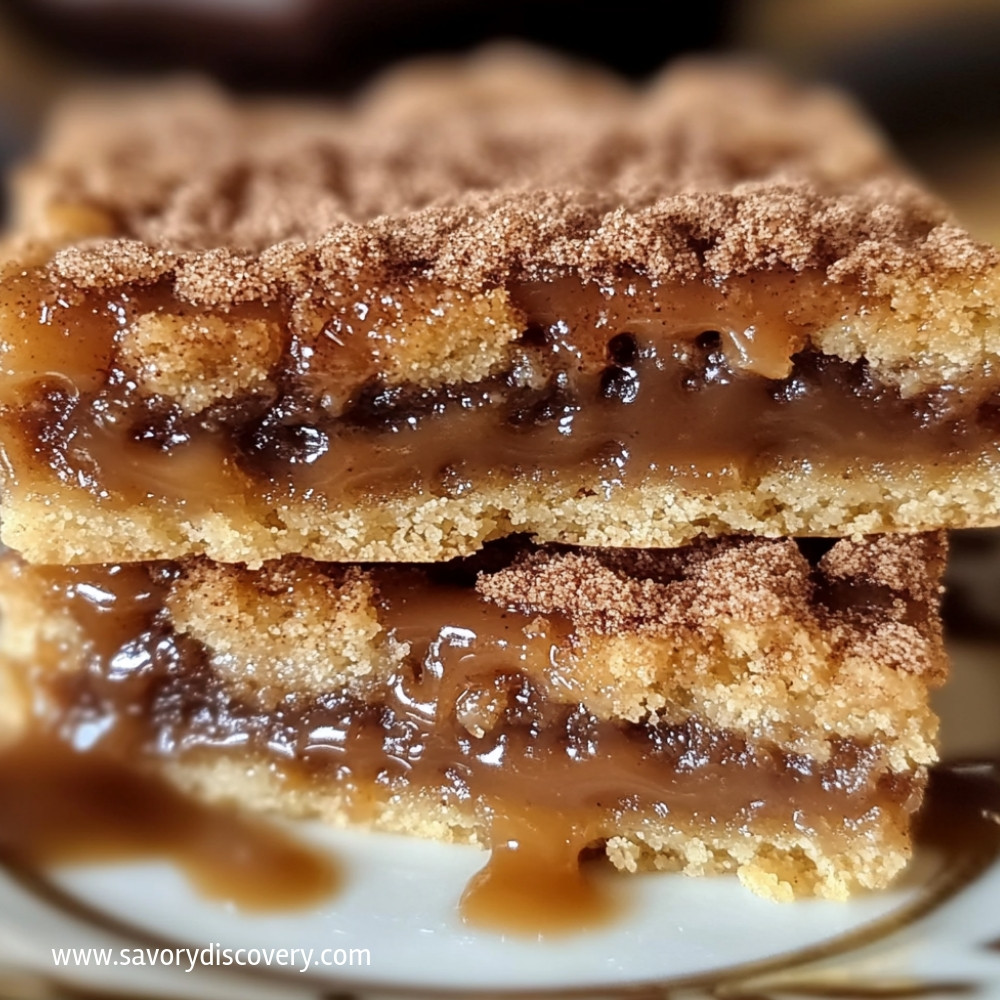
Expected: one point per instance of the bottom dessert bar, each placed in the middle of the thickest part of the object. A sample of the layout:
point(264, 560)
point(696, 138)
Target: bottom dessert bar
point(756, 706)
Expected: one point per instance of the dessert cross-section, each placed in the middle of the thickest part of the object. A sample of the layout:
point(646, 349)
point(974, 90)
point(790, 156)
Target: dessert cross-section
point(498, 297)
point(747, 705)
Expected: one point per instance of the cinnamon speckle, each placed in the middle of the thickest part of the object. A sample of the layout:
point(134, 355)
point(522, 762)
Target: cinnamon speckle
point(503, 166)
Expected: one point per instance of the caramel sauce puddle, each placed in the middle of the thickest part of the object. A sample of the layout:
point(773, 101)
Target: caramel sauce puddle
point(59, 806)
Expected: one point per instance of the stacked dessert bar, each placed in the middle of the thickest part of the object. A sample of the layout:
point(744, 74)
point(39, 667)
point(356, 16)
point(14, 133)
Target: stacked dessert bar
point(509, 457)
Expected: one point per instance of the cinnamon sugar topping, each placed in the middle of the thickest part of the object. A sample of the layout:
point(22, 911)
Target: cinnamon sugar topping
point(506, 166)
point(752, 581)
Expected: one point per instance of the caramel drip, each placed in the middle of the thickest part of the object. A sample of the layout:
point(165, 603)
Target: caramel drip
point(59, 806)
point(534, 881)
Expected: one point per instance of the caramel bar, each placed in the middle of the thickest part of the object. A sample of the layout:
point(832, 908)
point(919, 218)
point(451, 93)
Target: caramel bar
point(749, 706)
point(488, 297)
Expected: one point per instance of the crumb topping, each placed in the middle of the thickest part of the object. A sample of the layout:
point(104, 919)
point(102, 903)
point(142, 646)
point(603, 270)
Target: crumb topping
point(199, 361)
point(504, 166)
point(612, 591)
point(910, 565)
point(752, 581)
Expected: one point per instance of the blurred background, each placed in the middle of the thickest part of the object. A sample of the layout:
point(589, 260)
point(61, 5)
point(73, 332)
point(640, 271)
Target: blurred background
point(927, 70)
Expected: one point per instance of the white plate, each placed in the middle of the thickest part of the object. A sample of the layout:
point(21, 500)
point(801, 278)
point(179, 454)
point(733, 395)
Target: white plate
point(935, 934)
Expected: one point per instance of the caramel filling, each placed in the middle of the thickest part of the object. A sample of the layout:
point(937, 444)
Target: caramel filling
point(58, 806)
point(602, 389)
point(473, 722)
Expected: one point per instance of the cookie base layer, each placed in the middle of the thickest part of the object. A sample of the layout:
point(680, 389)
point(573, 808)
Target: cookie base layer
point(744, 705)
point(72, 526)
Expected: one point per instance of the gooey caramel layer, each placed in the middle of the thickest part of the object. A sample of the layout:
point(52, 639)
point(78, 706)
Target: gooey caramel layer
point(602, 390)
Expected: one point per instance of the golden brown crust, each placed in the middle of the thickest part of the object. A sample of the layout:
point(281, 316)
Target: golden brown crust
point(70, 525)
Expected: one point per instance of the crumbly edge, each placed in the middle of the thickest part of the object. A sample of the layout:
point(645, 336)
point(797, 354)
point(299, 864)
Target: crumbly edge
point(738, 639)
point(922, 332)
point(286, 628)
point(763, 682)
point(56, 525)
point(777, 864)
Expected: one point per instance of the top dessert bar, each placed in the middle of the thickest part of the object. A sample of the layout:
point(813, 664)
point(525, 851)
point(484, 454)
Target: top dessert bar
point(493, 296)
